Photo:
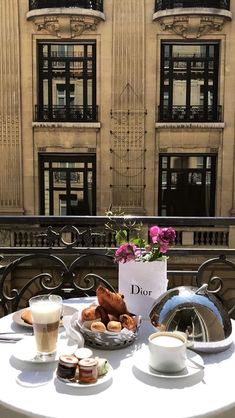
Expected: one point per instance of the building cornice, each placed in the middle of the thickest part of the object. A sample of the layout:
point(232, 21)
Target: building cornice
point(87, 125)
point(189, 125)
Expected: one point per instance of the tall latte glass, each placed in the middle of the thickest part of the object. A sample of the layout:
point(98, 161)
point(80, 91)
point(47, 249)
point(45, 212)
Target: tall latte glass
point(46, 312)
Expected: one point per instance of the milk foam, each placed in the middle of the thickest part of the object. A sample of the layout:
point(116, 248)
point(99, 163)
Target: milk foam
point(45, 312)
point(167, 341)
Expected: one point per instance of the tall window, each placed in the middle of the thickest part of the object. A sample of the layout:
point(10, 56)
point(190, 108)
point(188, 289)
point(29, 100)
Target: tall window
point(189, 82)
point(67, 184)
point(67, 81)
point(187, 185)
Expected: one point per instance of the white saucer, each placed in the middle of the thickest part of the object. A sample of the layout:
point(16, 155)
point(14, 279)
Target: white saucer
point(100, 381)
point(194, 365)
point(25, 350)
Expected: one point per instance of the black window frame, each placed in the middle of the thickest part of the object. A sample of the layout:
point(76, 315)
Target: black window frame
point(46, 161)
point(46, 110)
point(169, 170)
point(189, 112)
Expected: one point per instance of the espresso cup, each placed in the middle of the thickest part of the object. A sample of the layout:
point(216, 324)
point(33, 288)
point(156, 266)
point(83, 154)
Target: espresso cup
point(167, 351)
point(46, 312)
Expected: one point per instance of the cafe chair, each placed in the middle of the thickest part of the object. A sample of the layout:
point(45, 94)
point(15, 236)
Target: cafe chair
point(66, 275)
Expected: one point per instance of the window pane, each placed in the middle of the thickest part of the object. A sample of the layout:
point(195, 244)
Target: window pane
point(179, 92)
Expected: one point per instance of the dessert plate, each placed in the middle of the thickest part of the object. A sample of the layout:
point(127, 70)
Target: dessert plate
point(194, 365)
point(67, 310)
point(101, 380)
point(25, 350)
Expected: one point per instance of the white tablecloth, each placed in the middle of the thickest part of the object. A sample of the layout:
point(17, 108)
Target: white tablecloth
point(130, 393)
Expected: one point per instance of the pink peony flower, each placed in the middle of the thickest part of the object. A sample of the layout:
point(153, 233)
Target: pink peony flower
point(167, 234)
point(126, 252)
point(154, 233)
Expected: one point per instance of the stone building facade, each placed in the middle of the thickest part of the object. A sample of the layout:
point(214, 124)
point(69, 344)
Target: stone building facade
point(128, 103)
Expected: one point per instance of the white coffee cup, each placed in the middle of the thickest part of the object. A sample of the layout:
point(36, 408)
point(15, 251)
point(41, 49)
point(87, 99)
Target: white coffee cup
point(167, 351)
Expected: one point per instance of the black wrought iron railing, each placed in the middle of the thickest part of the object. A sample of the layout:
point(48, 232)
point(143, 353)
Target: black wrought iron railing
point(71, 255)
point(190, 114)
point(172, 4)
point(84, 4)
point(66, 114)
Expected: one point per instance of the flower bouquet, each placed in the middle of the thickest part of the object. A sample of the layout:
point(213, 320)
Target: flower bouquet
point(142, 275)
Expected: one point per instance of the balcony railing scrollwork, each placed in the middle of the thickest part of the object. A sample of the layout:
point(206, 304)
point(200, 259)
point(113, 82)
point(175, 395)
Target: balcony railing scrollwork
point(58, 113)
point(84, 4)
point(190, 114)
point(71, 256)
point(172, 4)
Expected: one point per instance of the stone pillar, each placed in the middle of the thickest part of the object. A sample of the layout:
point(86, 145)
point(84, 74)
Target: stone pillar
point(11, 197)
point(127, 133)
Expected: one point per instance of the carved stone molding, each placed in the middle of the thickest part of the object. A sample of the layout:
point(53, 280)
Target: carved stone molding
point(66, 26)
point(192, 26)
point(47, 24)
point(82, 24)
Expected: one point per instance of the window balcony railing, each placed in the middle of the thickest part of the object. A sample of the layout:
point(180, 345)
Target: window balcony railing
point(66, 114)
point(172, 4)
point(84, 4)
point(190, 114)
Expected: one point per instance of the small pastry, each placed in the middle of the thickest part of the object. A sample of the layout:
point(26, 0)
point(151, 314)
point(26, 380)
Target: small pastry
point(114, 326)
point(27, 316)
point(89, 314)
point(98, 326)
point(87, 324)
point(112, 302)
point(127, 321)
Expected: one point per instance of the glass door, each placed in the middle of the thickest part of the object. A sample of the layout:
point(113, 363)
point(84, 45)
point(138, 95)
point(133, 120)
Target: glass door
point(67, 185)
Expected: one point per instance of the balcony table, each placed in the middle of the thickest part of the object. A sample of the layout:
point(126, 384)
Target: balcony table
point(129, 393)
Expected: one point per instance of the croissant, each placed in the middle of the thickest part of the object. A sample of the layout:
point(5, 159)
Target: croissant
point(102, 314)
point(127, 321)
point(112, 302)
point(89, 314)
point(26, 315)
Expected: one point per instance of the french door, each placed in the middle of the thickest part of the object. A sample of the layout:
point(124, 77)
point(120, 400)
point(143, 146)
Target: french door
point(187, 185)
point(67, 184)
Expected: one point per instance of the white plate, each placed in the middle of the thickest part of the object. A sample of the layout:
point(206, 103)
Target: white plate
point(67, 310)
point(25, 350)
point(100, 381)
point(194, 365)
